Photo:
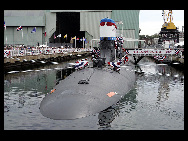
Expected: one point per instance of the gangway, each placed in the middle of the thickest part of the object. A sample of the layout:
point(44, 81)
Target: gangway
point(141, 52)
point(152, 52)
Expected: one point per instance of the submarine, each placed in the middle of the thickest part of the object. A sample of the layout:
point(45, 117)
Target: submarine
point(95, 84)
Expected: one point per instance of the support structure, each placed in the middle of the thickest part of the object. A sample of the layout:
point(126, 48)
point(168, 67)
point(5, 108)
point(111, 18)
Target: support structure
point(137, 60)
point(141, 52)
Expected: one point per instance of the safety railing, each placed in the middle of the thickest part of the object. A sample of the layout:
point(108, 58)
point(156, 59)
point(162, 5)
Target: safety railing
point(38, 51)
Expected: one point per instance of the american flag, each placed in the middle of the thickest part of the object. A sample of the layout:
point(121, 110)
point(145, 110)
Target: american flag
point(6, 53)
point(160, 58)
point(21, 52)
point(127, 51)
point(115, 65)
point(177, 51)
point(80, 64)
point(97, 52)
point(120, 40)
point(125, 58)
point(19, 28)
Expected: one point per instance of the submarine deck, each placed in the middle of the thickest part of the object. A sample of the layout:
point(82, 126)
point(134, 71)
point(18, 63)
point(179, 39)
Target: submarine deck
point(87, 91)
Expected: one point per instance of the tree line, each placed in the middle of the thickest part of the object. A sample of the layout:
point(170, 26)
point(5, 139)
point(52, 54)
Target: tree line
point(148, 36)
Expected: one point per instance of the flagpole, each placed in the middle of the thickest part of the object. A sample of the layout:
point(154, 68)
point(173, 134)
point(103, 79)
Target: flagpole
point(83, 42)
point(27, 37)
point(13, 38)
point(22, 34)
point(6, 38)
point(22, 37)
point(75, 41)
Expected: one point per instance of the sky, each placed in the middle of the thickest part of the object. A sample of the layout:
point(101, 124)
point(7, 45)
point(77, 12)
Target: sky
point(151, 21)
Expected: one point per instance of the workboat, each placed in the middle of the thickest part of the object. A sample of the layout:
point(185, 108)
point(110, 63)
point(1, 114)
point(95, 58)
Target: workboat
point(95, 84)
point(169, 34)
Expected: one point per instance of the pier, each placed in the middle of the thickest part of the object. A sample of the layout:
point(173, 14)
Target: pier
point(24, 58)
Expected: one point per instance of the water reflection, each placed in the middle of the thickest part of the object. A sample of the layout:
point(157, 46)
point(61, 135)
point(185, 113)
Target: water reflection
point(126, 104)
point(107, 116)
point(23, 87)
point(156, 102)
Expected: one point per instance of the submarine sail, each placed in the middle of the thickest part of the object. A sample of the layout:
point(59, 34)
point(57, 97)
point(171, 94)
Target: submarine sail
point(94, 85)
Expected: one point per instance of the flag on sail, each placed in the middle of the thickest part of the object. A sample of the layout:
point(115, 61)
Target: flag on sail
point(19, 28)
point(34, 30)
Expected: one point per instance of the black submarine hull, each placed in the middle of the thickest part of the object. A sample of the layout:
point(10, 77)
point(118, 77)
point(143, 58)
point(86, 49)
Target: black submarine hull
point(88, 91)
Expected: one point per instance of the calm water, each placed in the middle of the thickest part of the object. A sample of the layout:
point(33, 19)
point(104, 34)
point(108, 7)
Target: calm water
point(155, 102)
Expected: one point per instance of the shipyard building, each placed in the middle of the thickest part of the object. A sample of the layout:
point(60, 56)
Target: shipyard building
point(55, 27)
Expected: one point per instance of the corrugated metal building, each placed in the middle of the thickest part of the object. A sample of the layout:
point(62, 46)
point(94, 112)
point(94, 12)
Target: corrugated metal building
point(51, 22)
point(43, 20)
point(130, 19)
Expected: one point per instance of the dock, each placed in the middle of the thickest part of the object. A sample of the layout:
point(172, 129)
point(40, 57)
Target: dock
point(42, 58)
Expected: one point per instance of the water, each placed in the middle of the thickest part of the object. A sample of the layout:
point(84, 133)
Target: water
point(155, 103)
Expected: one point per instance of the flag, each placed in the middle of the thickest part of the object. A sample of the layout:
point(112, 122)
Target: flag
point(127, 51)
point(6, 53)
point(177, 51)
point(81, 64)
point(115, 65)
point(19, 28)
point(65, 36)
point(45, 34)
point(4, 25)
point(74, 37)
point(126, 58)
point(54, 36)
point(160, 58)
point(59, 35)
point(34, 30)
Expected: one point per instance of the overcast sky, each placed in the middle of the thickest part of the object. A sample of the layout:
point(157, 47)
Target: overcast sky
point(151, 21)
